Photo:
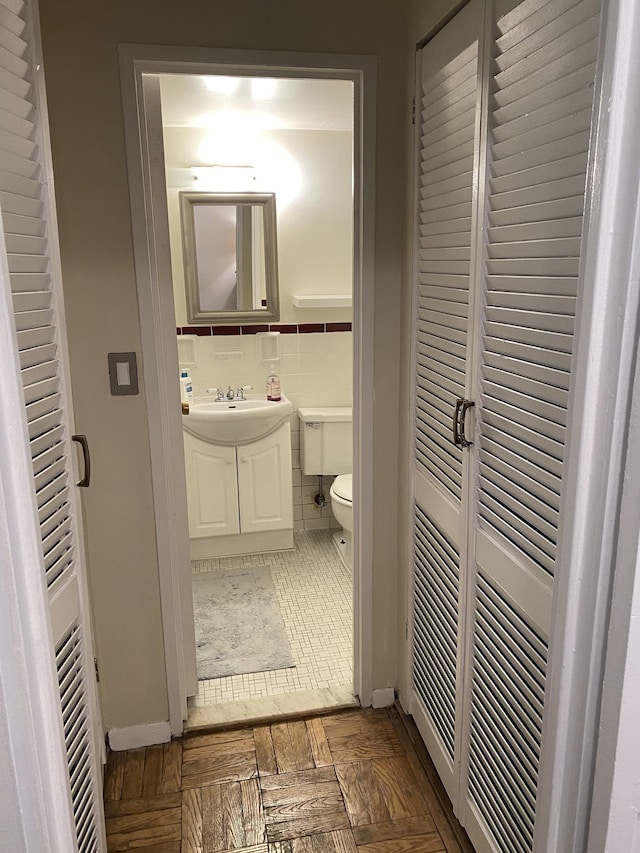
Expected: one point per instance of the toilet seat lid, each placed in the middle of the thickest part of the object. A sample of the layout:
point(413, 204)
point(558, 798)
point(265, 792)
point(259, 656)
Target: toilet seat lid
point(343, 487)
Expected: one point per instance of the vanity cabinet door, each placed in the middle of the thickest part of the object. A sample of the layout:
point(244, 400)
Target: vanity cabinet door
point(264, 483)
point(212, 488)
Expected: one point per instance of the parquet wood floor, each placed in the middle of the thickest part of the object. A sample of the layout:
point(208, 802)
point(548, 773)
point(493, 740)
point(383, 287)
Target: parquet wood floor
point(350, 782)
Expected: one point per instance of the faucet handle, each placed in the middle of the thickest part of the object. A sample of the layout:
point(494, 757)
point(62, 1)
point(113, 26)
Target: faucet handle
point(217, 391)
point(242, 389)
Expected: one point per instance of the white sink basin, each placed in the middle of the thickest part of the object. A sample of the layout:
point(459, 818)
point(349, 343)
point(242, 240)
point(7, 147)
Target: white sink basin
point(234, 421)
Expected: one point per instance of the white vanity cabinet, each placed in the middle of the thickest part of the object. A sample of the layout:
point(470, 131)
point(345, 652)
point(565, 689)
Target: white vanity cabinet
point(264, 483)
point(239, 497)
point(212, 488)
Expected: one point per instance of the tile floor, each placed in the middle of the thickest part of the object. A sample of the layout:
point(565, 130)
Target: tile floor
point(316, 599)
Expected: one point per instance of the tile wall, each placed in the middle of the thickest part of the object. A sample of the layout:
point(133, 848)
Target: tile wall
point(315, 369)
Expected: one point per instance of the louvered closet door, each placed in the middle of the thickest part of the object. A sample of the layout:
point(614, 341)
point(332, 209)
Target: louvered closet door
point(540, 111)
point(496, 293)
point(446, 116)
point(26, 207)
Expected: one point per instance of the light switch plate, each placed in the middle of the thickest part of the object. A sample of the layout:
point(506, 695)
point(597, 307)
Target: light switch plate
point(123, 373)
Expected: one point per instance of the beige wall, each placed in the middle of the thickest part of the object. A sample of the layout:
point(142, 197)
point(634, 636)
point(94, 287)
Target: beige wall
point(80, 50)
point(423, 16)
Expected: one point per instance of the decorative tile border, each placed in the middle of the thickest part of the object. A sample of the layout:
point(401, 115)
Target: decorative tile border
point(283, 328)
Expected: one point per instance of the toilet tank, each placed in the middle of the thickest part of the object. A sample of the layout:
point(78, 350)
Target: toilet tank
point(326, 440)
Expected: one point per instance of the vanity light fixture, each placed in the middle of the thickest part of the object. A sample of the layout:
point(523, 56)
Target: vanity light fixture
point(223, 178)
point(221, 83)
point(263, 88)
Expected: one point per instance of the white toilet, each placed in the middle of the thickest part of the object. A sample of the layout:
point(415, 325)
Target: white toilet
point(326, 447)
point(342, 506)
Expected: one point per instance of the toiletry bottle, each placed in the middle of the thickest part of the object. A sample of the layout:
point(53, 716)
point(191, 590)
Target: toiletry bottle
point(273, 385)
point(186, 388)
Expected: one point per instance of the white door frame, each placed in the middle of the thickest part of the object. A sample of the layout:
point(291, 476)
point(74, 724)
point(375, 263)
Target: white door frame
point(159, 348)
point(608, 326)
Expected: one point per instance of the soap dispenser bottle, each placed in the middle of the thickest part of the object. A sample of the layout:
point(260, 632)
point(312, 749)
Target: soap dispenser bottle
point(273, 385)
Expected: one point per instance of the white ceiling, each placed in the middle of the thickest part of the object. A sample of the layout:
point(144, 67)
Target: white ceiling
point(190, 100)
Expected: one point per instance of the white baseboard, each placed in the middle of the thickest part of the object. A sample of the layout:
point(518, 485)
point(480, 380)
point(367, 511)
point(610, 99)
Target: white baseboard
point(383, 697)
point(132, 737)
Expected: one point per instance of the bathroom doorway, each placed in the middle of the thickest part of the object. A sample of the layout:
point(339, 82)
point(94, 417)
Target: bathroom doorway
point(214, 359)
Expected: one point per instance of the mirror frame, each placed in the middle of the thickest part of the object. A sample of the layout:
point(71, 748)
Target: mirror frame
point(196, 316)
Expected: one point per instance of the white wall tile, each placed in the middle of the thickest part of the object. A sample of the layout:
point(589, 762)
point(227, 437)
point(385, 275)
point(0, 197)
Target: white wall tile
point(307, 343)
point(289, 345)
point(316, 524)
point(310, 510)
point(309, 492)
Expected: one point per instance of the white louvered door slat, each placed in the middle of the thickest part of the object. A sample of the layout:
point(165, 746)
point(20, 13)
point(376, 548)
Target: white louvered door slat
point(526, 313)
point(27, 210)
point(539, 130)
point(447, 118)
point(448, 141)
point(500, 198)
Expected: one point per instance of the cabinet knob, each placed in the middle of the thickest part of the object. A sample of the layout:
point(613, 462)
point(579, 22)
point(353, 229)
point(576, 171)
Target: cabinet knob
point(244, 459)
point(229, 461)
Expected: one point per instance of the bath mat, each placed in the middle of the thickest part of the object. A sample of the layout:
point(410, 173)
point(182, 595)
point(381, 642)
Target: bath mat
point(239, 626)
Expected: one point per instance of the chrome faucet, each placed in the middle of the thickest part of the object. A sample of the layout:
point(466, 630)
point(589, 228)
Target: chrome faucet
point(241, 390)
point(220, 395)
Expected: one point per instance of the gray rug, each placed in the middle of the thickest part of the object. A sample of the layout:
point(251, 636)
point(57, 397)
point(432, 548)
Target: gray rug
point(239, 626)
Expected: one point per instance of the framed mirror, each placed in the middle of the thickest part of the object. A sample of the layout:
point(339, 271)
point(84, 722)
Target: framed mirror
point(230, 257)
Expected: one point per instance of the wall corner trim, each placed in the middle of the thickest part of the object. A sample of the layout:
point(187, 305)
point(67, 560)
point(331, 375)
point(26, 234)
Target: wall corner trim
point(383, 697)
point(132, 737)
